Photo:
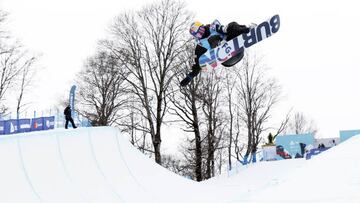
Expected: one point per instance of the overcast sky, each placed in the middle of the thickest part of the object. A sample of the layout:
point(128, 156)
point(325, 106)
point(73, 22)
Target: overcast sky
point(314, 55)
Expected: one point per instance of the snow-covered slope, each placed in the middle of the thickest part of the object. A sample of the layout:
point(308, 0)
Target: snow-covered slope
point(99, 165)
point(333, 176)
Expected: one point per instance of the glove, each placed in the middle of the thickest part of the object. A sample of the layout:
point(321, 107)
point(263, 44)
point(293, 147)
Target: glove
point(220, 29)
point(186, 80)
point(217, 26)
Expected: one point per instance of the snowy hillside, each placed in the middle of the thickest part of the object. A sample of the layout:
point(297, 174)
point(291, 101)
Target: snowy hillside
point(100, 165)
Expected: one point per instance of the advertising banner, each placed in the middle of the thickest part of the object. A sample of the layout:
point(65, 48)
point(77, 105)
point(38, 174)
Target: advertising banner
point(49, 122)
point(2, 127)
point(292, 146)
point(10, 126)
point(24, 125)
point(37, 124)
point(346, 134)
point(315, 151)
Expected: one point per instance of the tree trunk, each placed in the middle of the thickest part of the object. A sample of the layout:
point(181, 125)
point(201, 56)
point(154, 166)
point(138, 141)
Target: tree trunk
point(157, 145)
point(198, 155)
point(198, 148)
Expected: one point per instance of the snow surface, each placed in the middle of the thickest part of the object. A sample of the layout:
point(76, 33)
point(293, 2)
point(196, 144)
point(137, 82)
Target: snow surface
point(100, 165)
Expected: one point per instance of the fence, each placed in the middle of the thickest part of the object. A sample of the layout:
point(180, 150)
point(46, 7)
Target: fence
point(49, 119)
point(13, 126)
point(78, 119)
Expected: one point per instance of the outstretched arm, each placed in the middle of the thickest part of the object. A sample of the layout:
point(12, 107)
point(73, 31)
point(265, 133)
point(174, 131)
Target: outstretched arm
point(195, 69)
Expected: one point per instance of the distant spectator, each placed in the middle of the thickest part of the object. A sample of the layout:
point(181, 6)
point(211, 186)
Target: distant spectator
point(321, 146)
point(67, 113)
point(270, 139)
point(333, 143)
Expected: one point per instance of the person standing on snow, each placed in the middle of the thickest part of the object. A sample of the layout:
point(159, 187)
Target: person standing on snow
point(208, 38)
point(67, 113)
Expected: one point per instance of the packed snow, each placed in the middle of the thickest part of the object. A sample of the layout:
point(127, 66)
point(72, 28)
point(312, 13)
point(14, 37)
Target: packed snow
point(98, 165)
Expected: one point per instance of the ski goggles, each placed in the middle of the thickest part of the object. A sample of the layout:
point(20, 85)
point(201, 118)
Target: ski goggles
point(197, 30)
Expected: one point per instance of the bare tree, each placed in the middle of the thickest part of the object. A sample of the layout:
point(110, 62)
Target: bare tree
point(299, 124)
point(3, 32)
point(9, 68)
point(177, 166)
point(149, 42)
point(2, 18)
point(198, 107)
point(186, 105)
point(210, 93)
point(283, 125)
point(102, 89)
point(133, 124)
point(257, 97)
point(16, 68)
point(239, 145)
point(7, 76)
point(25, 82)
point(230, 83)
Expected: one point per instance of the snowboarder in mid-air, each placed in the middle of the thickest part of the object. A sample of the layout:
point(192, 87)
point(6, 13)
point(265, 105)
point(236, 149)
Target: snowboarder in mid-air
point(208, 38)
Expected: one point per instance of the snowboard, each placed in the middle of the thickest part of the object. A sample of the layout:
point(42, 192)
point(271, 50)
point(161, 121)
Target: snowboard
point(235, 47)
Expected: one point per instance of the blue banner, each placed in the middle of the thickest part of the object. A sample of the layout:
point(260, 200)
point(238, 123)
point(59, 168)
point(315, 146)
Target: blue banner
point(2, 127)
point(315, 151)
point(37, 124)
point(24, 125)
point(72, 100)
point(49, 122)
point(11, 126)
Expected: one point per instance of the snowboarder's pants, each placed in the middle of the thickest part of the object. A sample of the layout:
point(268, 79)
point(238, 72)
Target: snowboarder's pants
point(234, 29)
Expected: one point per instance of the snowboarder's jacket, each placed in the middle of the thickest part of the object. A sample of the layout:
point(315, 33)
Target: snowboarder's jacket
point(210, 39)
